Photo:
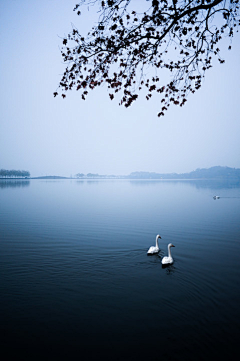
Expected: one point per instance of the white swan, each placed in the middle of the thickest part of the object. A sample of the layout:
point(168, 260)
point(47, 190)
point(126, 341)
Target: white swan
point(154, 249)
point(216, 197)
point(169, 259)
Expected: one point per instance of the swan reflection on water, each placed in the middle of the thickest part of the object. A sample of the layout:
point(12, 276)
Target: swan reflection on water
point(170, 269)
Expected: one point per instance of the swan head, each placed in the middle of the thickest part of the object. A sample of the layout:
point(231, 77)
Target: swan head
point(171, 245)
point(159, 236)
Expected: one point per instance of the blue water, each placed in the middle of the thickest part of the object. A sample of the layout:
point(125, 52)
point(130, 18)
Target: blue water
point(76, 278)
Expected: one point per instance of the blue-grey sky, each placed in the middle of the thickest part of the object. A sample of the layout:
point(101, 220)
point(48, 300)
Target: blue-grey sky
point(55, 136)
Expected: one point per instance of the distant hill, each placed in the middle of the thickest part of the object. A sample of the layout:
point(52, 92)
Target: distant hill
point(203, 173)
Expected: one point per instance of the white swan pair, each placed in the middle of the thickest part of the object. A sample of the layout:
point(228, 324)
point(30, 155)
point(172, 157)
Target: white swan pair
point(155, 249)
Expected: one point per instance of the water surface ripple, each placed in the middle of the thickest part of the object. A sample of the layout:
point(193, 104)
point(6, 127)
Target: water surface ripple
point(76, 277)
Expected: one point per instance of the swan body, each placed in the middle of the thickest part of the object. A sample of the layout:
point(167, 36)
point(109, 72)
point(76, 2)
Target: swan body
point(154, 249)
point(168, 260)
point(216, 197)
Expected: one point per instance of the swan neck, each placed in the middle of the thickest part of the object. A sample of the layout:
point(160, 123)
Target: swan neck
point(156, 241)
point(169, 251)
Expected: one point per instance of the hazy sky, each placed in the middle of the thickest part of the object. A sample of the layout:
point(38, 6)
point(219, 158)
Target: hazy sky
point(52, 136)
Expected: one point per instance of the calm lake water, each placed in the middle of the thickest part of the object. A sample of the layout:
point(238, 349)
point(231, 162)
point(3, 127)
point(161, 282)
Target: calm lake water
point(76, 278)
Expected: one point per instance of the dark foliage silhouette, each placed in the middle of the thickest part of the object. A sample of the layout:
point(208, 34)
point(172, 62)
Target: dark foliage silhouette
point(127, 49)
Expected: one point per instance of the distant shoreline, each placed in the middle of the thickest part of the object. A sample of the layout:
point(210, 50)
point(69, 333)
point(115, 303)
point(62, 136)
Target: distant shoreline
point(216, 173)
point(116, 178)
point(122, 178)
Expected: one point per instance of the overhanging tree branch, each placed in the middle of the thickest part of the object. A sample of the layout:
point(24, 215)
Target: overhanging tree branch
point(120, 48)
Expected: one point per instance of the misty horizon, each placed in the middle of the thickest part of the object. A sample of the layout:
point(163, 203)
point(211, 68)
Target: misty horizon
point(212, 171)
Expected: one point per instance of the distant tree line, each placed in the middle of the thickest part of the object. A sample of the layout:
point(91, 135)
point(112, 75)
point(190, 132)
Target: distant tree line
point(93, 175)
point(80, 175)
point(217, 172)
point(14, 173)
